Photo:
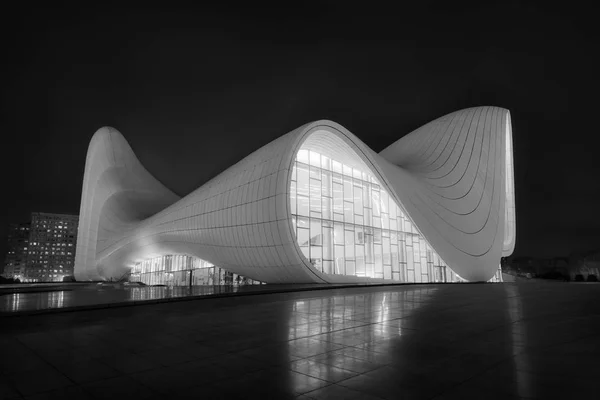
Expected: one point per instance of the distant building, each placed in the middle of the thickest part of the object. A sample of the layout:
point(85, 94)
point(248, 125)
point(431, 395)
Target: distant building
point(42, 250)
point(18, 246)
point(537, 266)
point(522, 264)
point(52, 243)
point(585, 264)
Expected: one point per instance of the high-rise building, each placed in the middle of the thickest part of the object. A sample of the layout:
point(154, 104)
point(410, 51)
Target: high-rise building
point(18, 246)
point(51, 250)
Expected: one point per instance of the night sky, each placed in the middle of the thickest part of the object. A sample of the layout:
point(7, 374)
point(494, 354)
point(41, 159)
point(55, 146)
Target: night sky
point(196, 90)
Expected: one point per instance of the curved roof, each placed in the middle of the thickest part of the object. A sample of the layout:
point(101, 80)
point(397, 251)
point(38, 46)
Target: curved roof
point(451, 176)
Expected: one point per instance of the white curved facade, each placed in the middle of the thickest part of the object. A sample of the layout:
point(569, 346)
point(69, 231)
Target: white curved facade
point(449, 182)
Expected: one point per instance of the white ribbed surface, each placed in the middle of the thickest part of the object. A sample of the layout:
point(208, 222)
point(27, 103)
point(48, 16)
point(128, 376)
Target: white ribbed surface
point(458, 182)
point(240, 220)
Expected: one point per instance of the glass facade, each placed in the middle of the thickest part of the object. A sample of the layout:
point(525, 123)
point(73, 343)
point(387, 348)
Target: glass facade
point(346, 223)
point(181, 270)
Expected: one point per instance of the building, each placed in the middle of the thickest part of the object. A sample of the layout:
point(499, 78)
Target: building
point(316, 205)
point(52, 244)
point(16, 255)
point(585, 264)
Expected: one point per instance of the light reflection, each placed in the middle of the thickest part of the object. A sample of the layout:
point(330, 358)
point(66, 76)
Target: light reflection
point(56, 299)
point(518, 337)
point(110, 293)
point(15, 301)
point(352, 320)
point(33, 301)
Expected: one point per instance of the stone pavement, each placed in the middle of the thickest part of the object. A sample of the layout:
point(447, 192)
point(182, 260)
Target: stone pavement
point(487, 341)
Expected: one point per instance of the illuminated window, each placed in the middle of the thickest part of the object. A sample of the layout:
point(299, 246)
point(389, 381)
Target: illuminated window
point(346, 222)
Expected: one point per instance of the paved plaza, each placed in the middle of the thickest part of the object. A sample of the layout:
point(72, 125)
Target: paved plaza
point(454, 341)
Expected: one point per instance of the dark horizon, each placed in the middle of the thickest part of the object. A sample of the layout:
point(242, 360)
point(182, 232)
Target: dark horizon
point(196, 90)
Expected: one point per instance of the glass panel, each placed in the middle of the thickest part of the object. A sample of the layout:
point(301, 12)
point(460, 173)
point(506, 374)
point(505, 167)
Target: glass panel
point(327, 243)
point(305, 251)
point(326, 204)
point(315, 233)
point(328, 267)
point(303, 237)
point(358, 220)
point(378, 259)
point(369, 252)
point(315, 195)
point(348, 212)
point(360, 260)
point(315, 172)
point(347, 170)
point(387, 260)
point(338, 233)
point(302, 156)
point(358, 200)
point(303, 205)
point(338, 198)
point(326, 163)
point(337, 166)
point(337, 178)
point(339, 259)
point(377, 235)
point(376, 202)
point(316, 257)
point(349, 245)
point(315, 159)
point(348, 189)
point(376, 222)
point(394, 257)
point(367, 194)
point(326, 183)
point(385, 221)
point(350, 268)
point(368, 217)
point(303, 180)
point(387, 272)
point(360, 234)
point(303, 222)
point(384, 201)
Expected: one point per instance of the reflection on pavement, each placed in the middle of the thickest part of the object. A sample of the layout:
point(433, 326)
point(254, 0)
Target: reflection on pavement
point(93, 295)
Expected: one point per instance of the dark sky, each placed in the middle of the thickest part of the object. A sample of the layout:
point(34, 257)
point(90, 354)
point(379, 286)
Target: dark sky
point(195, 90)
